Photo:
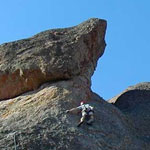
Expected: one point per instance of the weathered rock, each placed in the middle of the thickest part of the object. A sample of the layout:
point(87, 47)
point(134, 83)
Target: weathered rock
point(41, 123)
point(37, 120)
point(51, 55)
point(134, 102)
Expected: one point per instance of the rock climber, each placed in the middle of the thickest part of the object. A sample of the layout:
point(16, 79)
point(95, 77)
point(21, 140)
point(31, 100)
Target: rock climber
point(87, 113)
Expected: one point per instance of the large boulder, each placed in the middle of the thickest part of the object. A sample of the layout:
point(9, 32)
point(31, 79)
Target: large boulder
point(51, 55)
point(134, 102)
point(36, 120)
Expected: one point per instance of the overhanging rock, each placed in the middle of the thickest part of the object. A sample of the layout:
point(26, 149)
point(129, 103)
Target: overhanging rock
point(56, 54)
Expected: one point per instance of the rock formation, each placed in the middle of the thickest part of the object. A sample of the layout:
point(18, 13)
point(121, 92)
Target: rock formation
point(59, 54)
point(43, 76)
point(134, 102)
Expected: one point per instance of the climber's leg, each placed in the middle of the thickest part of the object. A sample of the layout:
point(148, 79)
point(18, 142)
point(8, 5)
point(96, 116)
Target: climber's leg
point(82, 119)
point(91, 118)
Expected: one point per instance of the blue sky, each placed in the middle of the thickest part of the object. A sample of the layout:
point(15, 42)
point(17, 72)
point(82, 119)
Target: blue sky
point(126, 59)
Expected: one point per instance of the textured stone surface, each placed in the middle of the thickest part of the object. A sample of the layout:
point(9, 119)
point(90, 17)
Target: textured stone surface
point(40, 121)
point(134, 102)
point(51, 55)
point(36, 120)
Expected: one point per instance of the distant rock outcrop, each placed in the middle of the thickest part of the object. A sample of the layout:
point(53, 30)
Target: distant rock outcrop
point(43, 76)
point(134, 102)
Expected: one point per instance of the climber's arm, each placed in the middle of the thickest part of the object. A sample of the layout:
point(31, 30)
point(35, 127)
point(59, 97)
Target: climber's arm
point(73, 110)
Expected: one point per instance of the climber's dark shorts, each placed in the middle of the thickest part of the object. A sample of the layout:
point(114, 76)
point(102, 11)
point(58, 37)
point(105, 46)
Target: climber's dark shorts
point(84, 113)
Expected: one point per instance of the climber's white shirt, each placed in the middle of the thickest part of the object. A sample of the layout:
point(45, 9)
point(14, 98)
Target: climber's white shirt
point(84, 107)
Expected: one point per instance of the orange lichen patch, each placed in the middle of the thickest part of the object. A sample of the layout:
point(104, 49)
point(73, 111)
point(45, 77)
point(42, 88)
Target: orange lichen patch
point(11, 102)
point(6, 114)
point(26, 101)
point(43, 97)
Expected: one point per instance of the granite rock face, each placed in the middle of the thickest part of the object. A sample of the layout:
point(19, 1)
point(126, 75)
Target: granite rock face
point(51, 55)
point(42, 77)
point(38, 121)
